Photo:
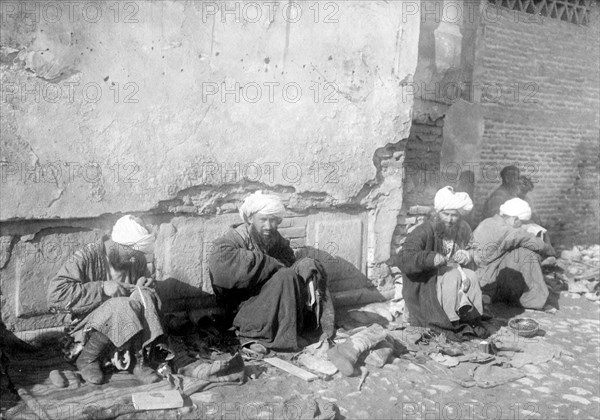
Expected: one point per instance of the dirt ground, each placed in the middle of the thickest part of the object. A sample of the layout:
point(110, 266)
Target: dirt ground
point(563, 388)
point(566, 387)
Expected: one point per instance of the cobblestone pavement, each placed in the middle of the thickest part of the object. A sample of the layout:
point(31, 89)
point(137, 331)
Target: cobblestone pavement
point(567, 387)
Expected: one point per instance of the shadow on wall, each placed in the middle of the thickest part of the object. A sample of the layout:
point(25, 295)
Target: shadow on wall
point(341, 274)
point(347, 284)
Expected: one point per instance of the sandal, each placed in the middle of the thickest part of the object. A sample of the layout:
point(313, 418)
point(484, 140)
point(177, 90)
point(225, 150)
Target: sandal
point(253, 350)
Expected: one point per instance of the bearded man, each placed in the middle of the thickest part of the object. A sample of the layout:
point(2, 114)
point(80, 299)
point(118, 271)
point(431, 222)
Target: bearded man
point(106, 288)
point(438, 292)
point(271, 297)
point(509, 257)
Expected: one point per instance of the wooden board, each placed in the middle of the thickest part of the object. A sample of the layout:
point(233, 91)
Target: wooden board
point(290, 368)
point(157, 400)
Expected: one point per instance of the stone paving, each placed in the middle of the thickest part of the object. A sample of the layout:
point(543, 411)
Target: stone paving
point(567, 387)
point(563, 388)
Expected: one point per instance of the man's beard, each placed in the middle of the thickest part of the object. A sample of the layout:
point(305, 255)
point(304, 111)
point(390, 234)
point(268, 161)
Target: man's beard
point(117, 261)
point(263, 240)
point(445, 231)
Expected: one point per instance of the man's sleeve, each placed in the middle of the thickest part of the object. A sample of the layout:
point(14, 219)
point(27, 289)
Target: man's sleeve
point(413, 259)
point(520, 238)
point(234, 267)
point(72, 291)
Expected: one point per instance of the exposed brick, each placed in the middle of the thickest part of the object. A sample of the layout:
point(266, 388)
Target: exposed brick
point(293, 222)
point(293, 232)
point(545, 119)
point(418, 210)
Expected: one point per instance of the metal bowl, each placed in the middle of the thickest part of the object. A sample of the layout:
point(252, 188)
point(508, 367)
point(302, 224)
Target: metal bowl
point(525, 327)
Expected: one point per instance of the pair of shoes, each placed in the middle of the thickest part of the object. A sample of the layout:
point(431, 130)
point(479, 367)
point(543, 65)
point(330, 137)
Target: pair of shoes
point(141, 370)
point(90, 357)
point(94, 351)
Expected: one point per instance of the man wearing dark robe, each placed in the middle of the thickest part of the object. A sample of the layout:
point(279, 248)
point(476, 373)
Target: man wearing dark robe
point(105, 287)
point(272, 298)
point(510, 188)
point(509, 257)
point(439, 293)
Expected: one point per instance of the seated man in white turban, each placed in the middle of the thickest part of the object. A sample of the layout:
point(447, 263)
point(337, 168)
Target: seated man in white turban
point(438, 292)
point(105, 288)
point(272, 298)
point(509, 258)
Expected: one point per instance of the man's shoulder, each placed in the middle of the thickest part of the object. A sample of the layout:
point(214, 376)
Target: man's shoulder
point(489, 224)
point(484, 223)
point(425, 228)
point(92, 250)
point(237, 233)
point(501, 190)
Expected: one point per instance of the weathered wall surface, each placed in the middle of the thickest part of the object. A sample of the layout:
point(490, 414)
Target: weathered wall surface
point(441, 116)
point(539, 85)
point(176, 110)
point(526, 93)
point(118, 114)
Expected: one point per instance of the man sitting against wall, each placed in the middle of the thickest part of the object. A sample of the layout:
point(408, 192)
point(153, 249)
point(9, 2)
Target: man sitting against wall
point(509, 257)
point(510, 188)
point(271, 297)
point(439, 293)
point(106, 287)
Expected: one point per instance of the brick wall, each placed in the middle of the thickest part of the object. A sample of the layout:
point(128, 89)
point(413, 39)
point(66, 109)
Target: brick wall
point(422, 176)
point(422, 162)
point(545, 118)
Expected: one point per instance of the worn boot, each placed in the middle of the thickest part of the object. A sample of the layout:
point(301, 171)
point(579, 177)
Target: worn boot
point(142, 371)
point(90, 358)
point(345, 355)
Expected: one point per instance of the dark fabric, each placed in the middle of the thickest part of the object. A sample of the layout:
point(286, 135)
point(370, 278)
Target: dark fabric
point(274, 316)
point(496, 199)
point(419, 287)
point(77, 287)
point(260, 285)
point(509, 261)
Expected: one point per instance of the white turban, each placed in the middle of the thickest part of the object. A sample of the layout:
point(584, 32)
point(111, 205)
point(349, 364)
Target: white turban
point(261, 203)
point(127, 231)
point(447, 199)
point(516, 207)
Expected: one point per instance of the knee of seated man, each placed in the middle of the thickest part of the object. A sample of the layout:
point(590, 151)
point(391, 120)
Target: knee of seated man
point(472, 276)
point(285, 274)
point(116, 302)
point(452, 275)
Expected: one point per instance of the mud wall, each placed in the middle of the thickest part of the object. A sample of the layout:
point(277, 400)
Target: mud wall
point(176, 110)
